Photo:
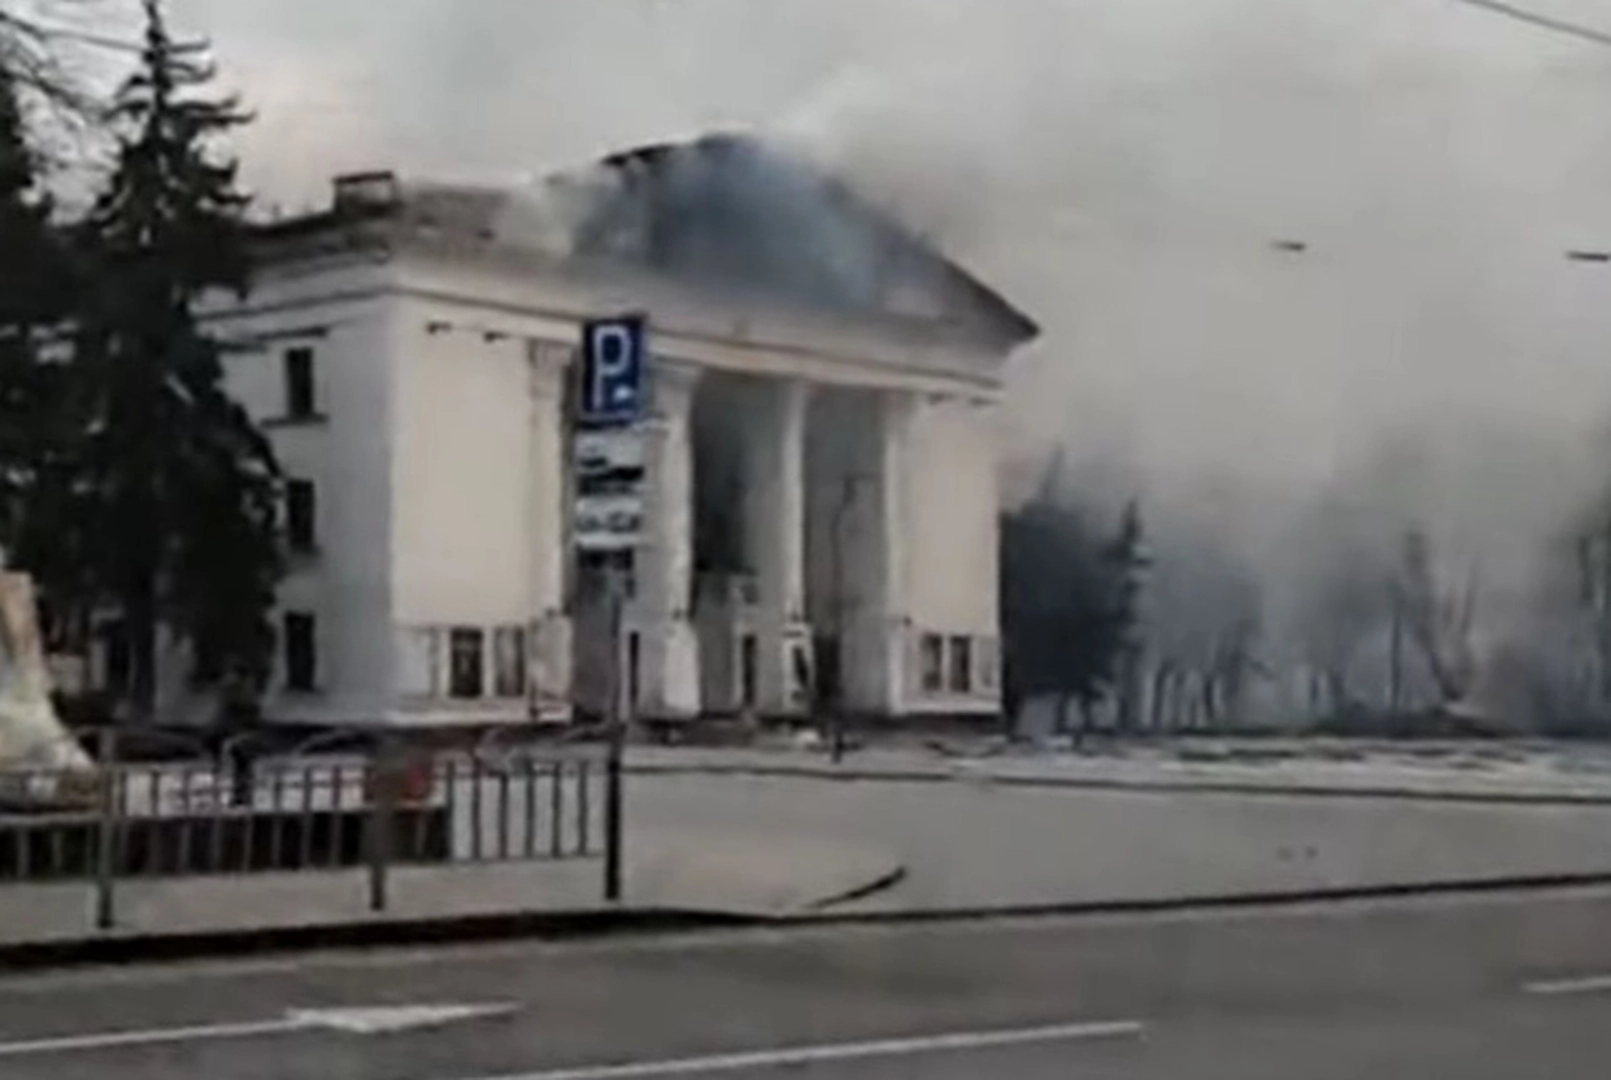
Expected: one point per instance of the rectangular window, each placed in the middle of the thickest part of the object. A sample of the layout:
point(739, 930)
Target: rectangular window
point(417, 653)
point(117, 660)
point(300, 513)
point(748, 671)
point(989, 664)
point(300, 401)
point(301, 652)
point(932, 655)
point(634, 657)
point(509, 662)
point(466, 662)
point(961, 680)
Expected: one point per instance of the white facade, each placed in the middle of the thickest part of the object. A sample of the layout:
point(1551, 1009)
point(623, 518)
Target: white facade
point(440, 583)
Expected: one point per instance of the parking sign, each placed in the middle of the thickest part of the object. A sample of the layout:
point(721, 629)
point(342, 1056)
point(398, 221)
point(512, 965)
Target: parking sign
point(613, 357)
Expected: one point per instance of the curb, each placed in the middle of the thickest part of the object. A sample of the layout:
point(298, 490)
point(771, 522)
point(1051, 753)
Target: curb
point(1181, 786)
point(1275, 900)
point(24, 957)
point(372, 934)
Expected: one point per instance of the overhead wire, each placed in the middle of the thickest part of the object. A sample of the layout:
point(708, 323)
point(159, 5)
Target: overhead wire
point(1547, 22)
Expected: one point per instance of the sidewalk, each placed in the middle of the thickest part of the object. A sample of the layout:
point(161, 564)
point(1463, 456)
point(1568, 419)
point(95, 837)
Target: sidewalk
point(752, 833)
point(729, 871)
point(1456, 779)
point(979, 845)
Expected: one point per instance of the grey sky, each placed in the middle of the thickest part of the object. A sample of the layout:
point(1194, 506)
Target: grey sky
point(1118, 166)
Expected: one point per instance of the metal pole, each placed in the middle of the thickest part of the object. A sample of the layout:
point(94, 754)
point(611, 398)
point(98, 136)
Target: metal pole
point(620, 712)
point(383, 779)
point(106, 846)
point(1395, 657)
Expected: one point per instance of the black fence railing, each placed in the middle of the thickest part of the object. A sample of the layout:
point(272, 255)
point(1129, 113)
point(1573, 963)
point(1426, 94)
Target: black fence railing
point(308, 813)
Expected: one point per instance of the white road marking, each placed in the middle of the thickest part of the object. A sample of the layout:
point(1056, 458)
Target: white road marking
point(785, 1057)
point(117, 1040)
point(1583, 984)
point(381, 1020)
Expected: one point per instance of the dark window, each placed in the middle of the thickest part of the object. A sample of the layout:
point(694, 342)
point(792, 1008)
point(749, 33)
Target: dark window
point(301, 652)
point(115, 640)
point(932, 648)
point(748, 663)
point(300, 514)
point(961, 681)
point(828, 687)
point(299, 397)
point(634, 656)
point(509, 662)
point(466, 662)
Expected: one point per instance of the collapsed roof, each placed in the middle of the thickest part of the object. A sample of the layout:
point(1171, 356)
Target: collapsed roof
point(723, 212)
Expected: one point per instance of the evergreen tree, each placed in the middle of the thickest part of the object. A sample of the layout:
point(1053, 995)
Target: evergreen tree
point(1069, 601)
point(34, 296)
point(24, 228)
point(185, 487)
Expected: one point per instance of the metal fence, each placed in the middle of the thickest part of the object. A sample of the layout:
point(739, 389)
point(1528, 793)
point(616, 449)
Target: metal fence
point(308, 814)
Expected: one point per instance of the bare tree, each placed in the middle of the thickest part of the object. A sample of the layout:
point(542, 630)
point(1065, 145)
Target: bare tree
point(1593, 566)
point(1437, 618)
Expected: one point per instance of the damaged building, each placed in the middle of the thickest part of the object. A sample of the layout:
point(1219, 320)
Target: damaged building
point(820, 518)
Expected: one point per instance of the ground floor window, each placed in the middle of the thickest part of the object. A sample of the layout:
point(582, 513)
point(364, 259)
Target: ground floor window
point(989, 664)
point(509, 661)
point(951, 663)
point(301, 652)
point(932, 658)
point(961, 664)
point(748, 671)
point(418, 661)
point(466, 662)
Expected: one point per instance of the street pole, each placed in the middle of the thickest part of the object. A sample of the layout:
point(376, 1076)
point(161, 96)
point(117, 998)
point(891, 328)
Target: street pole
point(618, 716)
point(106, 852)
point(611, 393)
point(1395, 656)
point(386, 771)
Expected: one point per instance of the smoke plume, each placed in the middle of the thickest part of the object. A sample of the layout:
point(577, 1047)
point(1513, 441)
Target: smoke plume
point(1300, 264)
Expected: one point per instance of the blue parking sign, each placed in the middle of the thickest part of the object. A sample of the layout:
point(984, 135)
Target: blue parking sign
point(613, 355)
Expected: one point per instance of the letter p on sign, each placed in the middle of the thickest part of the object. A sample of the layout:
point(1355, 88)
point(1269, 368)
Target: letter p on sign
point(612, 372)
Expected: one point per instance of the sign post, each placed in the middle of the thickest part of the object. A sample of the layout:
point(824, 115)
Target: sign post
point(610, 470)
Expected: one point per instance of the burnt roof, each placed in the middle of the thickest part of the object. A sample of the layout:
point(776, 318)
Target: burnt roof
point(727, 212)
point(736, 211)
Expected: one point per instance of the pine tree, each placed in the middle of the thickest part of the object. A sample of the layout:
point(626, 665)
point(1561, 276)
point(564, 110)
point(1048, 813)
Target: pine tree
point(33, 300)
point(186, 487)
point(1069, 602)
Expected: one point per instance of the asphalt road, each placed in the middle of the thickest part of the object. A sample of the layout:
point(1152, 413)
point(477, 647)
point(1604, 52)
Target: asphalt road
point(1507, 987)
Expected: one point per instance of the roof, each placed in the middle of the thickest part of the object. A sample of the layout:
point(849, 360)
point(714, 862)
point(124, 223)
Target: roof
point(733, 211)
point(727, 213)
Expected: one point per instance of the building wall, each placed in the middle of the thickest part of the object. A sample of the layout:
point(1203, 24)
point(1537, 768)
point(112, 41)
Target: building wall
point(344, 317)
point(438, 463)
point(478, 472)
point(952, 542)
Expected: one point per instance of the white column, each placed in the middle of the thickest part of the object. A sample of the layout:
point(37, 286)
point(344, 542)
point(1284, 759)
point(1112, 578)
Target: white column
point(876, 637)
point(668, 651)
point(549, 634)
point(895, 436)
point(775, 512)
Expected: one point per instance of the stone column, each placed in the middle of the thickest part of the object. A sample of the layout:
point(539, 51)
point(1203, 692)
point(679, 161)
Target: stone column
point(775, 524)
point(548, 645)
point(895, 437)
point(878, 626)
point(668, 650)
